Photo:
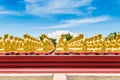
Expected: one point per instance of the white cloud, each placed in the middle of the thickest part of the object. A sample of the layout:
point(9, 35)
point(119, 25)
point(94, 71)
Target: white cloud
point(3, 11)
point(89, 20)
point(17, 25)
point(51, 7)
point(57, 34)
point(78, 22)
point(8, 13)
point(32, 1)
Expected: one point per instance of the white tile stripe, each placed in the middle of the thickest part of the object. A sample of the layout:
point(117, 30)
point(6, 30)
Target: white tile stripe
point(59, 77)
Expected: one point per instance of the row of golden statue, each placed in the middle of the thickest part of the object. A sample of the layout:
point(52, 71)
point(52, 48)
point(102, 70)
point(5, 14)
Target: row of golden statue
point(92, 44)
point(26, 44)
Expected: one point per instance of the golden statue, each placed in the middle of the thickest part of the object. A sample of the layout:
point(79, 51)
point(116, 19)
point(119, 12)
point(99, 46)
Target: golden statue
point(12, 45)
point(26, 43)
point(100, 43)
point(62, 44)
point(117, 46)
point(81, 43)
point(112, 43)
point(91, 45)
point(44, 45)
point(95, 44)
point(1, 44)
point(88, 45)
point(6, 43)
point(40, 47)
point(20, 45)
point(107, 44)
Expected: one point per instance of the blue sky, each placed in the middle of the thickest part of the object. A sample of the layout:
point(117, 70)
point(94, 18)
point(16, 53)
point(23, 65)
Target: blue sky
point(56, 16)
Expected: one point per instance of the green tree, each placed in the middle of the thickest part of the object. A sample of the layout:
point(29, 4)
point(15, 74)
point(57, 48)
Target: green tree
point(40, 38)
point(114, 34)
point(68, 36)
point(54, 41)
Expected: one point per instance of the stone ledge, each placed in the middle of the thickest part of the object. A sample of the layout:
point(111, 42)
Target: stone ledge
point(61, 76)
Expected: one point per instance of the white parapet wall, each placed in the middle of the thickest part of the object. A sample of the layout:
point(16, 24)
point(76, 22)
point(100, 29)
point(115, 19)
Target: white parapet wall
point(26, 76)
point(61, 76)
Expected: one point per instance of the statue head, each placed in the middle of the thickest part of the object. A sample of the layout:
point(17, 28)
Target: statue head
point(111, 37)
point(86, 40)
point(15, 38)
point(0, 37)
point(91, 38)
point(28, 36)
point(62, 35)
point(25, 35)
point(106, 38)
point(95, 38)
point(118, 35)
point(99, 36)
point(80, 36)
point(5, 36)
point(43, 36)
point(11, 37)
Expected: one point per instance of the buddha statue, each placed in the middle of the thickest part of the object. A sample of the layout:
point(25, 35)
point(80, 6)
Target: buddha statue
point(29, 44)
point(20, 45)
point(117, 46)
point(88, 45)
point(26, 43)
point(112, 43)
point(81, 47)
point(44, 45)
point(91, 44)
point(6, 43)
point(11, 38)
point(1, 44)
point(95, 44)
point(107, 44)
point(100, 43)
point(62, 44)
point(76, 44)
point(16, 44)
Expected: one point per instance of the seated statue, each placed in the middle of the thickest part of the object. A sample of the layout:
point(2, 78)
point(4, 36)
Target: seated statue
point(81, 43)
point(40, 47)
point(6, 43)
point(20, 45)
point(91, 45)
point(1, 44)
point(76, 44)
point(62, 44)
point(95, 45)
point(117, 43)
point(112, 43)
point(26, 43)
point(44, 45)
point(12, 45)
point(100, 42)
point(88, 47)
point(107, 44)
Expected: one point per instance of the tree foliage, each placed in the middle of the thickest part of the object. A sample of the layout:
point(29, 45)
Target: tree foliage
point(40, 38)
point(68, 36)
point(114, 34)
point(54, 41)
